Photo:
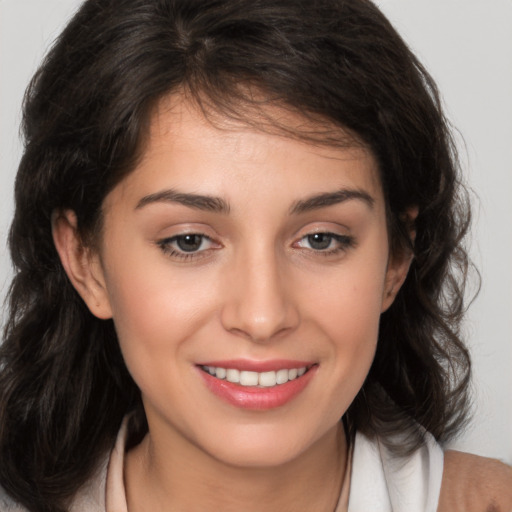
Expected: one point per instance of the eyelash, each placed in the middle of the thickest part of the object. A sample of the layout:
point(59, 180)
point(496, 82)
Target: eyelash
point(343, 243)
point(180, 254)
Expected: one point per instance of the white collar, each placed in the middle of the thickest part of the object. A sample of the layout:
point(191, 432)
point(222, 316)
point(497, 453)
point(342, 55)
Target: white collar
point(382, 482)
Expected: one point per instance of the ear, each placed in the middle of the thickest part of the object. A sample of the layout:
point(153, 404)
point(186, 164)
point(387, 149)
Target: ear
point(399, 264)
point(82, 264)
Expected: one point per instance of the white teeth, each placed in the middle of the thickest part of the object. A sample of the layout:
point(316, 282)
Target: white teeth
point(267, 379)
point(248, 378)
point(233, 375)
point(281, 376)
point(220, 373)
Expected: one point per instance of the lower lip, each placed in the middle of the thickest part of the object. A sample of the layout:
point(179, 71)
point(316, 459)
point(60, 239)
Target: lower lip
point(256, 398)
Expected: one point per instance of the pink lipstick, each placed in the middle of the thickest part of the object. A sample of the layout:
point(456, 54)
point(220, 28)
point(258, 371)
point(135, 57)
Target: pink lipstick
point(257, 385)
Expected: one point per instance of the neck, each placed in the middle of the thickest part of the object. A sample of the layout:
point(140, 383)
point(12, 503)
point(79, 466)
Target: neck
point(189, 480)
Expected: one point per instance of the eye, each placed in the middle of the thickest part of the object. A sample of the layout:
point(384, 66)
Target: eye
point(320, 241)
point(189, 243)
point(327, 243)
point(186, 245)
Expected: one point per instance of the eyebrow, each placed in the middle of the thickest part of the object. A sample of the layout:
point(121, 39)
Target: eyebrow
point(197, 201)
point(219, 205)
point(331, 198)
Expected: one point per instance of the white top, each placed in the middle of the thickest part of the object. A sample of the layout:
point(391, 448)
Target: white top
point(379, 482)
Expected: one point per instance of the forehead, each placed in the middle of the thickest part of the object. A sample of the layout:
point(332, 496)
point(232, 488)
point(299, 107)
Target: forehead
point(255, 114)
point(206, 151)
point(178, 119)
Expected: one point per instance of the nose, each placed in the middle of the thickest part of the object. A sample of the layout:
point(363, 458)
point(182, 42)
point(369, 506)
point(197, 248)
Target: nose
point(258, 301)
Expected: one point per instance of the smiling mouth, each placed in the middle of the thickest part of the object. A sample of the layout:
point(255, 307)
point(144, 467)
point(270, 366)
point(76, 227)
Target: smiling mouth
point(256, 379)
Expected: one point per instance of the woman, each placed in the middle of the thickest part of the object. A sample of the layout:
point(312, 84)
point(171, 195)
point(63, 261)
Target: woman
point(239, 266)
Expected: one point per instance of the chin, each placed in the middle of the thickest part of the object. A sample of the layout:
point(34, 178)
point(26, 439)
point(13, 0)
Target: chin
point(265, 446)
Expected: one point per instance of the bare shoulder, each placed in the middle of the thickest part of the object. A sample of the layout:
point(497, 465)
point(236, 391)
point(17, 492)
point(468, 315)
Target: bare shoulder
point(475, 484)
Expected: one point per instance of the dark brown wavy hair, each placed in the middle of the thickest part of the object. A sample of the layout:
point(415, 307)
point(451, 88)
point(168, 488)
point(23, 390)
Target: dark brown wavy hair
point(64, 387)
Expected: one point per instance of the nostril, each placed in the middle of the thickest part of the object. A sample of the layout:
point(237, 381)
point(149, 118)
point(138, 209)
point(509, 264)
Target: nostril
point(256, 304)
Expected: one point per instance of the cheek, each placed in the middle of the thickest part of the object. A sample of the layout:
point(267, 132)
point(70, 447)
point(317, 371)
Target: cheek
point(350, 300)
point(156, 311)
point(156, 321)
point(346, 306)
point(352, 325)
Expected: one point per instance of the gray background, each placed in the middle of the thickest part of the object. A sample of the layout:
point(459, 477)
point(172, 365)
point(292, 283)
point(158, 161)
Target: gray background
point(467, 46)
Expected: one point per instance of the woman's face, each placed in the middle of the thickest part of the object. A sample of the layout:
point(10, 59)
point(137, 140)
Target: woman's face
point(254, 257)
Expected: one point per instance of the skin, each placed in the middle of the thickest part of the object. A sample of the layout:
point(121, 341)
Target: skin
point(257, 289)
point(475, 484)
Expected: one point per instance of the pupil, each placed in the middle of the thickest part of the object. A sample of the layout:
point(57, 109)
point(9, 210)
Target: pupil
point(189, 243)
point(319, 241)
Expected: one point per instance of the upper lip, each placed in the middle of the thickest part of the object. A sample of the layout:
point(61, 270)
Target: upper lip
point(258, 366)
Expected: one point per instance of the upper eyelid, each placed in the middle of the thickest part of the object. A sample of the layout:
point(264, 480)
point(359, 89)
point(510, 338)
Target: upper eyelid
point(336, 236)
point(173, 232)
point(334, 229)
point(186, 233)
point(297, 236)
point(173, 238)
